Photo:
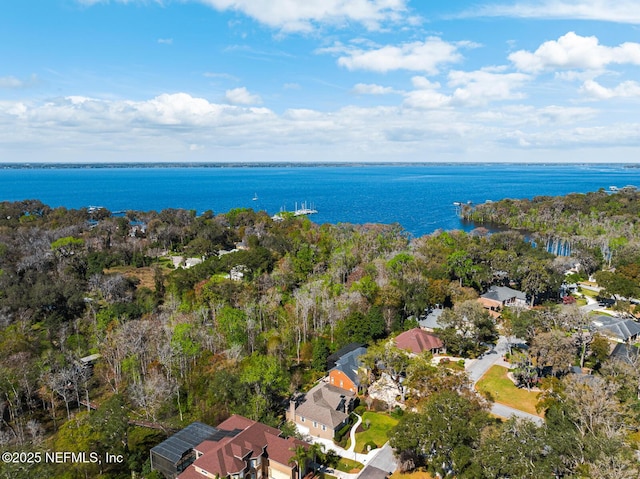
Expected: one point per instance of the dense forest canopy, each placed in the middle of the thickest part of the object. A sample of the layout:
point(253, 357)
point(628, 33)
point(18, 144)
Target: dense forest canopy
point(196, 317)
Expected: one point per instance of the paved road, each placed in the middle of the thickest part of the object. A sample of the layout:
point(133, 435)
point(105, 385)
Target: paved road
point(507, 412)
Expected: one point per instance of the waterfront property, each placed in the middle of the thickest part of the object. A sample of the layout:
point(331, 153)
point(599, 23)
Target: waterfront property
point(237, 448)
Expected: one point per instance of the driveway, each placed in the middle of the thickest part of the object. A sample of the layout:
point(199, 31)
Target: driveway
point(477, 367)
point(384, 460)
point(507, 412)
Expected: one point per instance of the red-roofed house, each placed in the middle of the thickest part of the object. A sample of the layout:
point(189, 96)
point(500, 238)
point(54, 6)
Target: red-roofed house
point(244, 449)
point(417, 341)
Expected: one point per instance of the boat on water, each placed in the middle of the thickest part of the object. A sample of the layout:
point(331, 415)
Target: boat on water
point(302, 211)
point(255, 197)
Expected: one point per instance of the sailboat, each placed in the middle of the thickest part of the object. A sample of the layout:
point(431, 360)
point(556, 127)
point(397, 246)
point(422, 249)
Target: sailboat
point(255, 197)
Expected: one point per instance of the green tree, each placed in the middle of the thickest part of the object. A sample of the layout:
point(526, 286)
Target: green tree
point(514, 449)
point(444, 433)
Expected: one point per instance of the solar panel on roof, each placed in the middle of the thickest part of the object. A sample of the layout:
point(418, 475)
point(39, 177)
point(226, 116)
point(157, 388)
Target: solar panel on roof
point(174, 447)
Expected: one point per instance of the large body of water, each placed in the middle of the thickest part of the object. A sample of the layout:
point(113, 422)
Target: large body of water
point(418, 197)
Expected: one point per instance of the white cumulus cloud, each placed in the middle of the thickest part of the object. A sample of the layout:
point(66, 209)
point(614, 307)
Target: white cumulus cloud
point(242, 96)
point(483, 86)
point(572, 51)
point(427, 56)
point(627, 89)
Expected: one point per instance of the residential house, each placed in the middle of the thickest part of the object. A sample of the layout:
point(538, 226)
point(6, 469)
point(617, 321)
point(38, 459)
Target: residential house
point(237, 448)
point(343, 367)
point(322, 411)
point(418, 340)
point(625, 352)
point(617, 329)
point(497, 297)
point(431, 320)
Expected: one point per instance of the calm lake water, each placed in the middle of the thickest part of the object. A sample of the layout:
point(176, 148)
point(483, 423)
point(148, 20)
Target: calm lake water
point(420, 197)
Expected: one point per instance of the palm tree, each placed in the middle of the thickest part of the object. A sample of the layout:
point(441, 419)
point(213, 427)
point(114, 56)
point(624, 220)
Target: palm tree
point(300, 457)
point(315, 453)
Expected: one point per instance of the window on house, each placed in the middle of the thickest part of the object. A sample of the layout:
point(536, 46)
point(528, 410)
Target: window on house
point(324, 428)
point(315, 424)
point(301, 418)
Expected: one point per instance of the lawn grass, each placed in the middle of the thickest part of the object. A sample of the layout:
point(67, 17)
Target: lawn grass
point(503, 391)
point(411, 475)
point(381, 424)
point(349, 465)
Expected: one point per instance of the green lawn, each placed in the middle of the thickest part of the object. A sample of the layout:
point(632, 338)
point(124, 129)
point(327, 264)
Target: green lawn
point(381, 424)
point(412, 475)
point(348, 465)
point(503, 391)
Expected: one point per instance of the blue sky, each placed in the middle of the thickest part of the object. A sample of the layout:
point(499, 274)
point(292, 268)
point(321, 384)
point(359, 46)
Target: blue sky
point(319, 80)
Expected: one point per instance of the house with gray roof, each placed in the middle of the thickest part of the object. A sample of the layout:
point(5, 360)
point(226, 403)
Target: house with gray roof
point(497, 297)
point(617, 329)
point(176, 453)
point(344, 365)
point(431, 320)
point(322, 411)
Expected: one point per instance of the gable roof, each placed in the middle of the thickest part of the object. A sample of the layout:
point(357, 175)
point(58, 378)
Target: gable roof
point(326, 404)
point(503, 293)
point(349, 362)
point(418, 340)
point(251, 439)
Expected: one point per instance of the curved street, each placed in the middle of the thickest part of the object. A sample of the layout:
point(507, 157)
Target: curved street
point(477, 368)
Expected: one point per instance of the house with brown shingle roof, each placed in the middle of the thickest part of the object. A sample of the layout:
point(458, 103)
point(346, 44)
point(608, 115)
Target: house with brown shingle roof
point(240, 448)
point(322, 411)
point(418, 340)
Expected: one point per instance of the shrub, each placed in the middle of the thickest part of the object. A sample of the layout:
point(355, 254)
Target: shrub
point(370, 445)
point(397, 412)
point(360, 410)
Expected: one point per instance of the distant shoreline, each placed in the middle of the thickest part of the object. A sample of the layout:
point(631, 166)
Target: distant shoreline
point(156, 165)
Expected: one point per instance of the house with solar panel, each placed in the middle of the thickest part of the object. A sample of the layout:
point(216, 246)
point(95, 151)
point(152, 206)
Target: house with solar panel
point(237, 448)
